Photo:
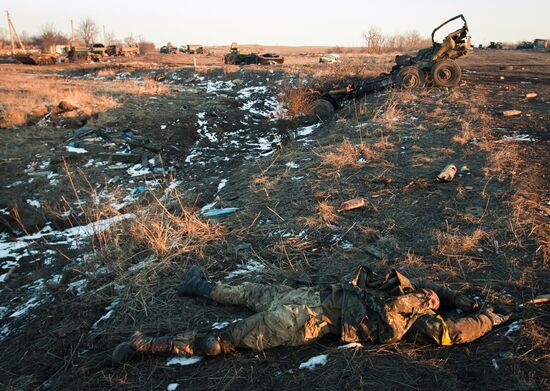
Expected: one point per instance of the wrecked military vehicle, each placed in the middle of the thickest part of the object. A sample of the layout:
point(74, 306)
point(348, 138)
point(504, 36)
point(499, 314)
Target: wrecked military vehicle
point(432, 66)
point(238, 56)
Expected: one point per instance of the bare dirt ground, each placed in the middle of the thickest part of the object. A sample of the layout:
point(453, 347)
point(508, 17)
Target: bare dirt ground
point(101, 200)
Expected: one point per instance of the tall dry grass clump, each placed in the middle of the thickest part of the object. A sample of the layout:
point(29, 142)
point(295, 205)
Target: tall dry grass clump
point(348, 155)
point(168, 235)
point(453, 243)
point(466, 134)
point(343, 155)
point(296, 101)
point(389, 112)
point(325, 215)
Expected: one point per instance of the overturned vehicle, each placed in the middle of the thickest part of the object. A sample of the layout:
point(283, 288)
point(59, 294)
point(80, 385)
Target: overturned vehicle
point(432, 66)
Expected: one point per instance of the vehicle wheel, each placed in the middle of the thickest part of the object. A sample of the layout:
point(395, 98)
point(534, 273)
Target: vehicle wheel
point(446, 73)
point(410, 78)
point(322, 109)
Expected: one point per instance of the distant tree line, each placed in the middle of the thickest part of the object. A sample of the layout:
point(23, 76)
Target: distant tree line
point(86, 32)
point(377, 42)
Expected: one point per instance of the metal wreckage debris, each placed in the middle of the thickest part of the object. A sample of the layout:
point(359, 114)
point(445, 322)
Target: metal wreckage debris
point(432, 66)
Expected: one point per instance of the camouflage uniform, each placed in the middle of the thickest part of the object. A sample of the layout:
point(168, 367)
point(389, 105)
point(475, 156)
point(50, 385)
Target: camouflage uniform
point(364, 309)
point(386, 310)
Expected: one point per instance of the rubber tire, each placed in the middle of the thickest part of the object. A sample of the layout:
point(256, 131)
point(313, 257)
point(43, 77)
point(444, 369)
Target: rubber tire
point(446, 73)
point(323, 110)
point(410, 78)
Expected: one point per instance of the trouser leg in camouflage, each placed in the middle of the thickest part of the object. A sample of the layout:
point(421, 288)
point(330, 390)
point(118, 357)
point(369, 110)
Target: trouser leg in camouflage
point(284, 316)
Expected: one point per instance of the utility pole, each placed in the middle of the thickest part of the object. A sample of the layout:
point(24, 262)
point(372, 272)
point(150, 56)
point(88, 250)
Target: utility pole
point(13, 34)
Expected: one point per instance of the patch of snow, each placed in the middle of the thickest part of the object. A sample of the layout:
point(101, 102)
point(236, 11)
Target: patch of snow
point(138, 170)
point(306, 130)
point(314, 362)
point(75, 150)
point(34, 203)
point(141, 265)
point(3, 312)
point(183, 360)
point(250, 267)
point(292, 165)
point(110, 310)
point(172, 387)
point(221, 185)
point(23, 309)
point(162, 127)
point(220, 85)
point(351, 345)
point(247, 92)
point(78, 287)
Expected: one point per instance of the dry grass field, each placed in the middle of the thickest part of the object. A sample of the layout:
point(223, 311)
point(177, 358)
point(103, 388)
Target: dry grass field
point(103, 199)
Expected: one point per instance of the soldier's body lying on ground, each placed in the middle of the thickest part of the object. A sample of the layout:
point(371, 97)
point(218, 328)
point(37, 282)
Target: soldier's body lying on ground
point(361, 309)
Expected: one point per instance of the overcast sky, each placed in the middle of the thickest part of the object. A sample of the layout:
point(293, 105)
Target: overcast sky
point(283, 22)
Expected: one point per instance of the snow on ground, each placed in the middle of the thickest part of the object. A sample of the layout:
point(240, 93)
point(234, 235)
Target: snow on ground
point(183, 360)
point(35, 294)
point(250, 267)
point(110, 311)
point(34, 203)
point(172, 387)
point(138, 170)
point(75, 150)
point(351, 345)
point(259, 105)
point(314, 362)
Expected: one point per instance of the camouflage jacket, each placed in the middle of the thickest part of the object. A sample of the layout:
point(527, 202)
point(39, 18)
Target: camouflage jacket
point(386, 310)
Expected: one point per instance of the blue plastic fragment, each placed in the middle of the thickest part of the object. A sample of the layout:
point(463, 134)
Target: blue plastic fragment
point(220, 212)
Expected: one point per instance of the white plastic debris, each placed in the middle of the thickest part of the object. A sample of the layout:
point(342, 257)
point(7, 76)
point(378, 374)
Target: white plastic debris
point(448, 173)
point(513, 327)
point(314, 362)
point(183, 360)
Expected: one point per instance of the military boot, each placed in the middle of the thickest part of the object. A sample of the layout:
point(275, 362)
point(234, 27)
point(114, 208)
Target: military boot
point(140, 343)
point(194, 285)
